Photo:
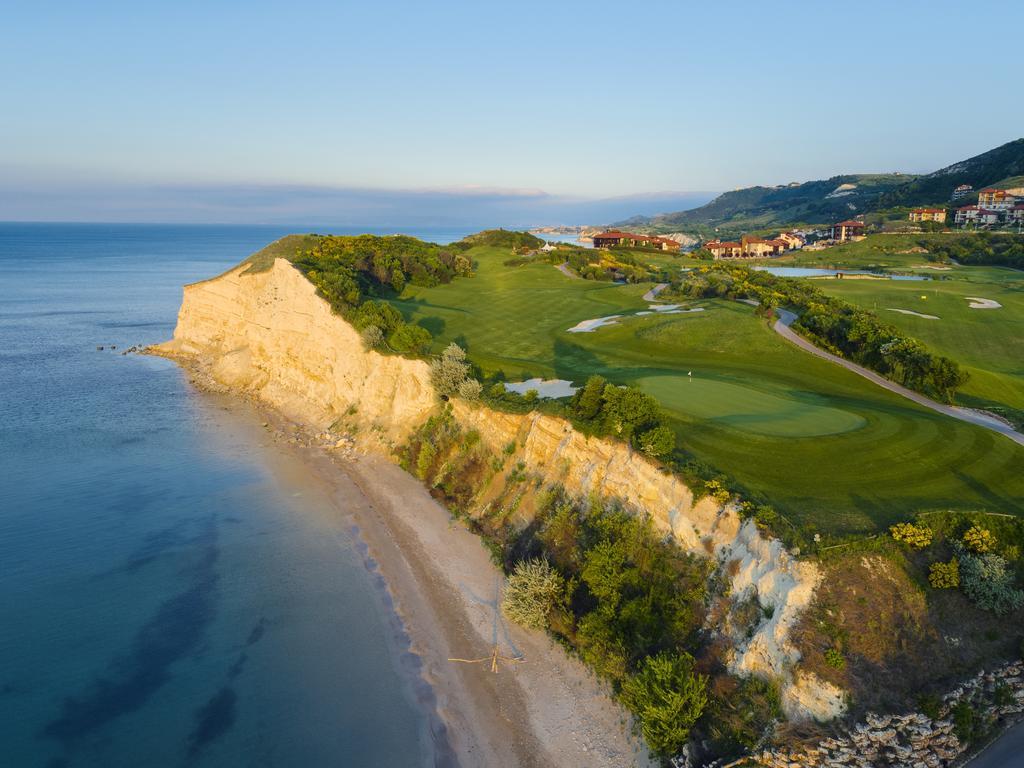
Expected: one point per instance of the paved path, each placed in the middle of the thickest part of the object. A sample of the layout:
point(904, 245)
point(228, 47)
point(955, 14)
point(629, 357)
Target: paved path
point(564, 269)
point(786, 318)
point(652, 295)
point(1006, 752)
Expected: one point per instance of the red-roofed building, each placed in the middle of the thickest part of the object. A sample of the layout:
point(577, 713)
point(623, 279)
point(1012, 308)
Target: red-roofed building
point(962, 191)
point(726, 250)
point(928, 214)
point(615, 238)
point(847, 230)
point(975, 214)
point(996, 199)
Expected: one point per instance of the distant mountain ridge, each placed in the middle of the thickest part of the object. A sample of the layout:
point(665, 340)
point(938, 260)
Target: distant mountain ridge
point(829, 200)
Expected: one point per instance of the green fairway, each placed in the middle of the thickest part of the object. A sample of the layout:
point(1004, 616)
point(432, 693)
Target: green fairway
point(989, 343)
point(821, 443)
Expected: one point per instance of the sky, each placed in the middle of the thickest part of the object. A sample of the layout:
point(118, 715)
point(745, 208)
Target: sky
point(503, 113)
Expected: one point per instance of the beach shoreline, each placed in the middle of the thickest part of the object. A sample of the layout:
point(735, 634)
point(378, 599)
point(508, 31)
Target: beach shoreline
point(444, 592)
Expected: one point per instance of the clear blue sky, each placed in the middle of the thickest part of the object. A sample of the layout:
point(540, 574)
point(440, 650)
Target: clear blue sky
point(476, 99)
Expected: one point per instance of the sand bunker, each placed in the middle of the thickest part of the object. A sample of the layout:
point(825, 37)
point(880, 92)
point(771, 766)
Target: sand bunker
point(977, 303)
point(550, 388)
point(588, 326)
point(912, 312)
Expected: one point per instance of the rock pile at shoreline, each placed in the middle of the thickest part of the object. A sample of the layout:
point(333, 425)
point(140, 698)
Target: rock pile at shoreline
point(911, 740)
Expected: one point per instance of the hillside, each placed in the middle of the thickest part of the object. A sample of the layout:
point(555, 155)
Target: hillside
point(826, 201)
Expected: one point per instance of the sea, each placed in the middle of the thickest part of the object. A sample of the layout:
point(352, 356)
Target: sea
point(175, 588)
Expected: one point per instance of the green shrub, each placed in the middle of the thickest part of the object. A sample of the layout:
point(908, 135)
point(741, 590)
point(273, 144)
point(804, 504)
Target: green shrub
point(470, 389)
point(914, 536)
point(449, 370)
point(373, 337)
point(944, 575)
point(965, 724)
point(979, 540)
point(657, 442)
point(930, 704)
point(411, 339)
point(835, 659)
point(425, 460)
point(1003, 695)
point(988, 582)
point(533, 590)
point(668, 697)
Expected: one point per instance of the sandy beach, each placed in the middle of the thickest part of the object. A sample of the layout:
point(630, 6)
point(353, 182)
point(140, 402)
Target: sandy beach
point(548, 710)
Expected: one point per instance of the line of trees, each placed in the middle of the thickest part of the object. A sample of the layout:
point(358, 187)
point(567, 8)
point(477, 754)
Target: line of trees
point(350, 271)
point(836, 325)
point(623, 412)
point(979, 248)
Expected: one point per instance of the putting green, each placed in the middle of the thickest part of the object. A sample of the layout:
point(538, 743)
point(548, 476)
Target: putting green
point(749, 409)
point(823, 445)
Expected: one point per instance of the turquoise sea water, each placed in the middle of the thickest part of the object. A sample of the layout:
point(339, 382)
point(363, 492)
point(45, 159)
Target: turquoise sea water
point(175, 589)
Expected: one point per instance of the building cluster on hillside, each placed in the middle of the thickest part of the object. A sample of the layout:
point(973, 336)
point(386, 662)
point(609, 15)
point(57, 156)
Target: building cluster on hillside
point(994, 207)
point(615, 238)
point(751, 247)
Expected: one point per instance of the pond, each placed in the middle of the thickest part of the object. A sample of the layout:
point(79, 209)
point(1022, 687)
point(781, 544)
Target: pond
point(551, 388)
point(821, 272)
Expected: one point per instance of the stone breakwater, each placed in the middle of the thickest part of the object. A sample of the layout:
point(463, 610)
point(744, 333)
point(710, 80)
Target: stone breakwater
point(269, 336)
point(912, 740)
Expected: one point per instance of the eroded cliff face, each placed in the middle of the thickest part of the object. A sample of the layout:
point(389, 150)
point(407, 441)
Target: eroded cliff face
point(269, 335)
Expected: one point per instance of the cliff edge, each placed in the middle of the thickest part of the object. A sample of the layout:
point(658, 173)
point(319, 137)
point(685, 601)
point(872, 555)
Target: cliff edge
point(269, 335)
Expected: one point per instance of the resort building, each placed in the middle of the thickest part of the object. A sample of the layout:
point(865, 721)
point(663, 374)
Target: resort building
point(928, 214)
point(961, 192)
point(996, 199)
point(792, 240)
point(615, 238)
point(724, 250)
point(749, 247)
point(1016, 213)
point(975, 214)
point(847, 230)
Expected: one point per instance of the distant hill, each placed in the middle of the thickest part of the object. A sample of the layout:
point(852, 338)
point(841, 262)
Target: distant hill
point(829, 200)
point(997, 166)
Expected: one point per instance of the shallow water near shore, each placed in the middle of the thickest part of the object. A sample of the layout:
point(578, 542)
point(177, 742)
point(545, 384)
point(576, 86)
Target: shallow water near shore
point(178, 589)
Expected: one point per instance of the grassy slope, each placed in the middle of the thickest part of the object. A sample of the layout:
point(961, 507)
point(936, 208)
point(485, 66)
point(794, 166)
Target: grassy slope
point(820, 442)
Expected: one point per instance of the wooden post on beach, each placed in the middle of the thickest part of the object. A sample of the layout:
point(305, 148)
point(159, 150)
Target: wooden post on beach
point(494, 658)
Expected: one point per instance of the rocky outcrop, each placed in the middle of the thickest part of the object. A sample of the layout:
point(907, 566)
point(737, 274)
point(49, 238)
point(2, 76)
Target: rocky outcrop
point(267, 334)
point(912, 740)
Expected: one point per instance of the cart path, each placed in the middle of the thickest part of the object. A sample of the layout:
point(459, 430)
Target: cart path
point(652, 295)
point(1004, 752)
point(564, 269)
point(786, 318)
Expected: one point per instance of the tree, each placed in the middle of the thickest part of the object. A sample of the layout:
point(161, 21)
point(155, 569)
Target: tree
point(450, 370)
point(410, 338)
point(586, 403)
point(373, 337)
point(657, 442)
point(532, 592)
point(470, 389)
point(668, 697)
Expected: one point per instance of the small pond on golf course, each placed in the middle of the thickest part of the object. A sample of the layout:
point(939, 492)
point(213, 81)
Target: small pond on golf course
point(821, 272)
